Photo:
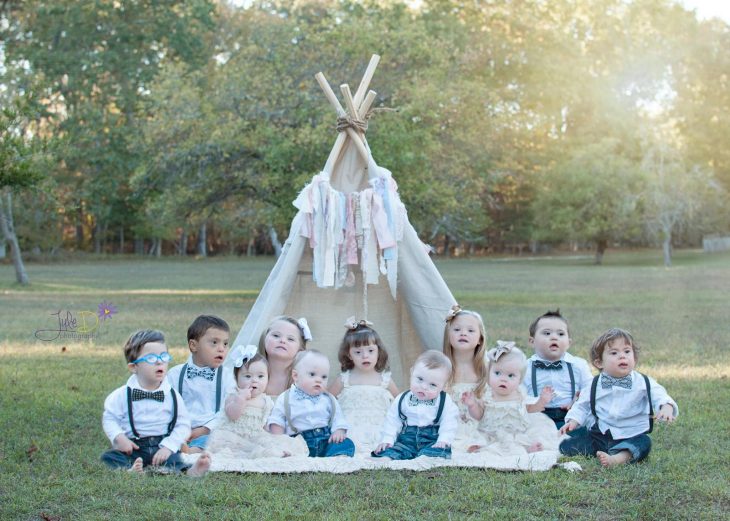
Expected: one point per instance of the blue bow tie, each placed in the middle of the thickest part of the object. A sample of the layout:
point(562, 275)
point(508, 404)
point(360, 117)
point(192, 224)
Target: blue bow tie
point(204, 372)
point(412, 400)
point(301, 395)
point(608, 381)
point(139, 394)
point(548, 365)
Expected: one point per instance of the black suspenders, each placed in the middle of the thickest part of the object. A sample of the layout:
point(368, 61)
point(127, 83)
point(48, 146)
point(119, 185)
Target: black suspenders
point(170, 426)
point(570, 373)
point(218, 384)
point(436, 421)
point(594, 385)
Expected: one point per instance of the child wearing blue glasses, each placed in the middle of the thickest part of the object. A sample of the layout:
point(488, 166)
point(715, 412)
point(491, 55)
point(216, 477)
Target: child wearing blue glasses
point(145, 419)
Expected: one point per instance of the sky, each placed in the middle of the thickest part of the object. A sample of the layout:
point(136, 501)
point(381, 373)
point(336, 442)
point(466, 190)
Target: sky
point(709, 8)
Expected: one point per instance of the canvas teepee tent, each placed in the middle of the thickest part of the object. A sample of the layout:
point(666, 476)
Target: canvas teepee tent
point(351, 251)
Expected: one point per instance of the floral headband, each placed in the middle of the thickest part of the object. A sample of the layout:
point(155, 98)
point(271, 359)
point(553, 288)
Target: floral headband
point(502, 349)
point(241, 355)
point(352, 324)
point(455, 310)
point(304, 328)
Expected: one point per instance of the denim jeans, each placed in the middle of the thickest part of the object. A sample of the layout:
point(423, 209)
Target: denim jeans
point(415, 441)
point(320, 446)
point(148, 446)
point(200, 441)
point(557, 415)
point(587, 445)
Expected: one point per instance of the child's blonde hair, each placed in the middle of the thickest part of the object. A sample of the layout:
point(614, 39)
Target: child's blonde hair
point(301, 355)
point(281, 318)
point(478, 358)
point(433, 359)
point(362, 334)
point(606, 339)
point(504, 352)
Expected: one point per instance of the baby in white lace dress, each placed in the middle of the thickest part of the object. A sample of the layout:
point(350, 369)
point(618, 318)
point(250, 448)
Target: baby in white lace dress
point(364, 388)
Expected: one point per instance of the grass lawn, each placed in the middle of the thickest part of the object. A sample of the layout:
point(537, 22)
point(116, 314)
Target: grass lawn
point(52, 392)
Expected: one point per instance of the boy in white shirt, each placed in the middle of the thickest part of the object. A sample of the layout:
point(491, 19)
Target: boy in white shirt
point(619, 411)
point(307, 409)
point(423, 420)
point(553, 375)
point(146, 420)
point(202, 381)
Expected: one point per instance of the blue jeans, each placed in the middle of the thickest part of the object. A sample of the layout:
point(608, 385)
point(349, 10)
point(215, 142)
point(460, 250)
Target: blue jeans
point(557, 415)
point(148, 446)
point(415, 441)
point(200, 441)
point(587, 445)
point(320, 446)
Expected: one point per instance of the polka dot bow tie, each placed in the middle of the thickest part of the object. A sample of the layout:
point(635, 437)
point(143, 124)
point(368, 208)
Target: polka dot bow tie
point(548, 365)
point(609, 381)
point(204, 372)
point(139, 394)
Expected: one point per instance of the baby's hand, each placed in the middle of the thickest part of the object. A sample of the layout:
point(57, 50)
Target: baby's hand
point(440, 445)
point(468, 399)
point(380, 448)
point(570, 426)
point(124, 444)
point(161, 456)
point(547, 394)
point(666, 413)
point(338, 436)
point(244, 394)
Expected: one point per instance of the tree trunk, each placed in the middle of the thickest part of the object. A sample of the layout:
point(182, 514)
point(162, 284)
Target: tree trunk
point(202, 240)
point(182, 249)
point(274, 238)
point(138, 246)
point(601, 245)
point(97, 237)
point(121, 239)
point(667, 248)
point(447, 245)
point(6, 223)
point(251, 248)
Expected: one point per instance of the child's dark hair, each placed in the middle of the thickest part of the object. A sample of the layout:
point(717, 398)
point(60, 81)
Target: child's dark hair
point(255, 358)
point(361, 335)
point(203, 323)
point(548, 314)
point(606, 339)
point(137, 341)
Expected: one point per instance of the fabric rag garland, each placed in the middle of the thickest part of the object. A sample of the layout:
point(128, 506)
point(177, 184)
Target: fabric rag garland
point(340, 226)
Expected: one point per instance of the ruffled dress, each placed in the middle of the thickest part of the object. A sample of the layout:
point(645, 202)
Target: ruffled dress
point(246, 438)
point(365, 407)
point(467, 433)
point(509, 429)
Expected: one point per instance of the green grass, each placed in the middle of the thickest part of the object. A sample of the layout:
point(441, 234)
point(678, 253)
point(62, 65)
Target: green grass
point(51, 398)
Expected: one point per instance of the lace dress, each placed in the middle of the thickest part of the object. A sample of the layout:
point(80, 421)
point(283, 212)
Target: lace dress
point(509, 429)
point(467, 433)
point(365, 407)
point(246, 438)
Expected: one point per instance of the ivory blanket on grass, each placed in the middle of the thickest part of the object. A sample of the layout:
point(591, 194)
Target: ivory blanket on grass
point(538, 461)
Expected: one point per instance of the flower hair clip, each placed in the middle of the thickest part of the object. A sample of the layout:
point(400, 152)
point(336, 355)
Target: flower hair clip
point(352, 324)
point(455, 310)
point(241, 355)
point(502, 349)
point(304, 328)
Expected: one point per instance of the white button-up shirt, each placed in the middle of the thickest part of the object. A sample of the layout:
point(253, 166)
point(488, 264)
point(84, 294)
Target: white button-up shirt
point(307, 414)
point(199, 393)
point(558, 379)
point(624, 411)
point(421, 415)
point(151, 418)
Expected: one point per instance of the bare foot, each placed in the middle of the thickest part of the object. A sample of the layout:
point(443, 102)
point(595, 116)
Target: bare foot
point(473, 448)
point(137, 466)
point(610, 460)
point(535, 447)
point(200, 468)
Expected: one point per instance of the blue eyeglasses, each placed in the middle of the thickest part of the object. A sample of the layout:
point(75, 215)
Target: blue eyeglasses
point(152, 358)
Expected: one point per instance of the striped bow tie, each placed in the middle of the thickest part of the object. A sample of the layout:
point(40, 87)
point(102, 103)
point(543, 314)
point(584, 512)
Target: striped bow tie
point(548, 365)
point(608, 381)
point(415, 401)
point(139, 394)
point(204, 372)
point(301, 395)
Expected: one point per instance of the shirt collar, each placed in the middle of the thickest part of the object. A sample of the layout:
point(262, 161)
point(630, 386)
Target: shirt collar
point(133, 383)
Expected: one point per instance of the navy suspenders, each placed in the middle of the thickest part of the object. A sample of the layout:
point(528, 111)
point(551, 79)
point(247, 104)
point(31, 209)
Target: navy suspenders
point(594, 385)
point(287, 411)
point(570, 373)
point(170, 426)
point(218, 384)
point(436, 421)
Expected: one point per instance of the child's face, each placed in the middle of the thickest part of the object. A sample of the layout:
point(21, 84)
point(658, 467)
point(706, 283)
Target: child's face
point(150, 376)
point(210, 349)
point(283, 340)
point(618, 359)
point(254, 377)
point(505, 376)
point(364, 357)
point(311, 374)
point(426, 384)
point(464, 333)
point(551, 339)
